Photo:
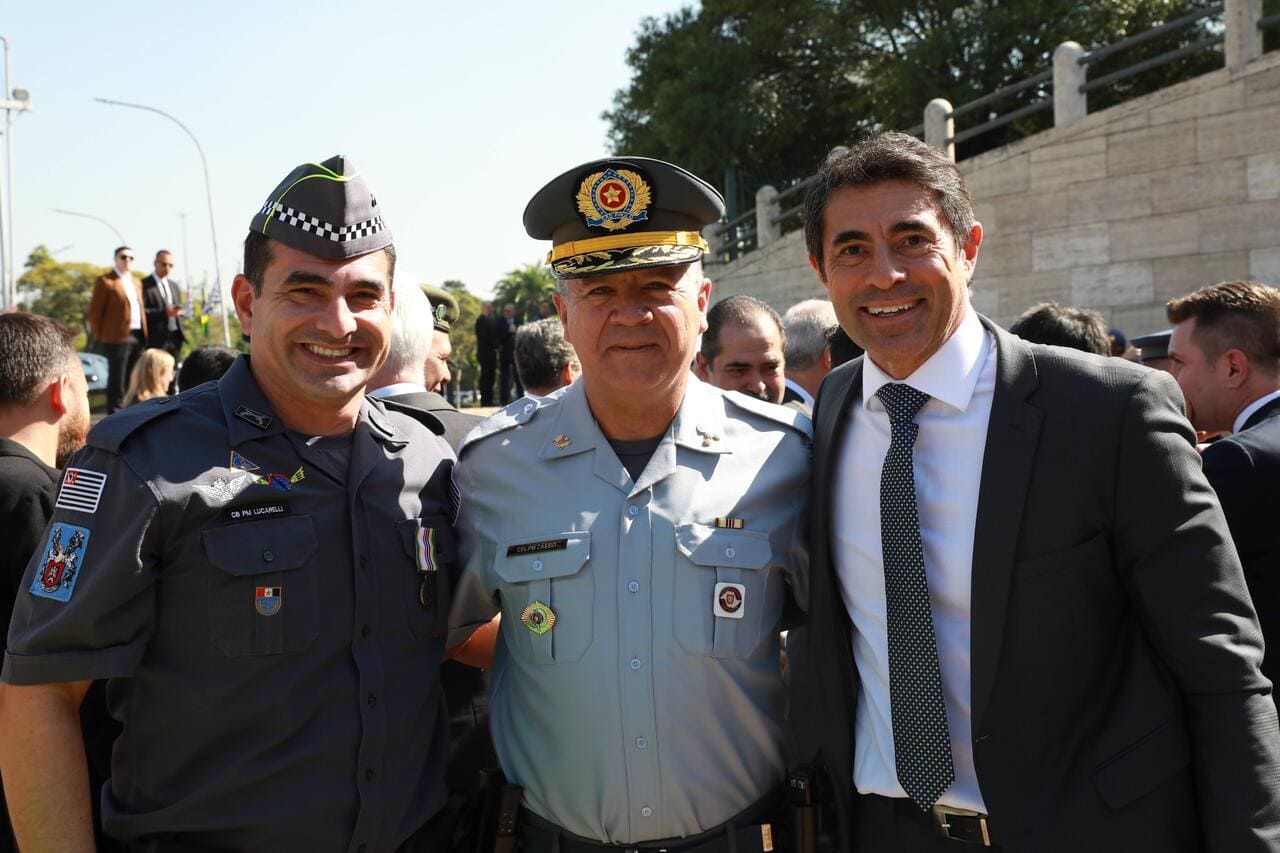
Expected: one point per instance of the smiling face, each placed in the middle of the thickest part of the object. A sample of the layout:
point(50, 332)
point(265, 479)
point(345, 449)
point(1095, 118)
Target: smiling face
point(635, 331)
point(750, 360)
point(320, 330)
point(897, 280)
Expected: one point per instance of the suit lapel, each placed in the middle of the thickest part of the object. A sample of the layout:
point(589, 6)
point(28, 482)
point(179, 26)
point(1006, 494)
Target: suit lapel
point(1267, 412)
point(1012, 435)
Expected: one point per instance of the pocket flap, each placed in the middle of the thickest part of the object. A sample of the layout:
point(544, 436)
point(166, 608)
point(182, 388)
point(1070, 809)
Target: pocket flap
point(259, 547)
point(442, 541)
point(722, 546)
point(554, 556)
point(1091, 552)
point(1141, 767)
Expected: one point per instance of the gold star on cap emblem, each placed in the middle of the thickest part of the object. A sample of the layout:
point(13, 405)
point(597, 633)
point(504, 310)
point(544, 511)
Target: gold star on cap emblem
point(561, 441)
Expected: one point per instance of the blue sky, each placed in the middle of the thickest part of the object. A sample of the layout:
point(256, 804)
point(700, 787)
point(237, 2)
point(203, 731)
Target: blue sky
point(455, 113)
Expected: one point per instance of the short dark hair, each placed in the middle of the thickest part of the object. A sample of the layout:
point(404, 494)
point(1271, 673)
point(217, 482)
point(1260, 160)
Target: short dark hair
point(542, 353)
point(120, 249)
point(33, 351)
point(884, 157)
point(162, 252)
point(740, 309)
point(205, 364)
point(1243, 315)
point(257, 257)
point(1064, 326)
point(843, 348)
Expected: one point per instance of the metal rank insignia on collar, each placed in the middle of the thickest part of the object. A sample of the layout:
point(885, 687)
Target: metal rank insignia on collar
point(249, 416)
point(707, 435)
point(538, 618)
point(613, 200)
point(561, 441)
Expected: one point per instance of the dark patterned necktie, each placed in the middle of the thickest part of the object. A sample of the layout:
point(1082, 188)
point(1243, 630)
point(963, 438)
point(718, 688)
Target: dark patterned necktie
point(921, 740)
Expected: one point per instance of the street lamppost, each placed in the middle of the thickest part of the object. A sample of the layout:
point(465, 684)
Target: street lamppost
point(208, 191)
point(21, 102)
point(114, 229)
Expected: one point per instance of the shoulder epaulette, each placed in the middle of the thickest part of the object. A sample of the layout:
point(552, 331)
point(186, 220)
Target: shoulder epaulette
point(784, 415)
point(513, 415)
point(110, 433)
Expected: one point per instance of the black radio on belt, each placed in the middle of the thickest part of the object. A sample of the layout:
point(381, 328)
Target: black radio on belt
point(806, 791)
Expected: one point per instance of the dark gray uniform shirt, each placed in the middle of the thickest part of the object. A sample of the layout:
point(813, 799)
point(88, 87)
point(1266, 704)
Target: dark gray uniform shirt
point(260, 613)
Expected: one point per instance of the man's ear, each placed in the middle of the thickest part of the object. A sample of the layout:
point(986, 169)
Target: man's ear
point(817, 267)
point(826, 358)
point(242, 298)
point(60, 394)
point(1238, 368)
point(566, 375)
point(701, 368)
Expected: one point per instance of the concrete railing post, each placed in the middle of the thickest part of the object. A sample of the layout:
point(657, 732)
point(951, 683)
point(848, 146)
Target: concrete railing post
point(1243, 39)
point(939, 127)
point(714, 235)
point(1069, 103)
point(768, 230)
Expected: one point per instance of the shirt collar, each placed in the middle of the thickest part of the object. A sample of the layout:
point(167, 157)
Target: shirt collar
point(1249, 410)
point(397, 388)
point(950, 374)
point(805, 396)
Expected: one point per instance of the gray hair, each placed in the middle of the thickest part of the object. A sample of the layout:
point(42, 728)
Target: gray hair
point(542, 353)
point(806, 324)
point(412, 330)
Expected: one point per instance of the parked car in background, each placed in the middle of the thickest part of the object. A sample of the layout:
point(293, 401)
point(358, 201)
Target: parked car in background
point(95, 374)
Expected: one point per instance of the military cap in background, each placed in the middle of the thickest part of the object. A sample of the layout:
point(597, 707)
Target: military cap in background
point(1153, 346)
point(621, 213)
point(324, 209)
point(444, 307)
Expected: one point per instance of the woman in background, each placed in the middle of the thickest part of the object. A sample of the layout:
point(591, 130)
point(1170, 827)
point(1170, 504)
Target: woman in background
point(151, 376)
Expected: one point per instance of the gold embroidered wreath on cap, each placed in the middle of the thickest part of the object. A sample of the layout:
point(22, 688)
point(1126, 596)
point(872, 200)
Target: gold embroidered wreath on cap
point(638, 204)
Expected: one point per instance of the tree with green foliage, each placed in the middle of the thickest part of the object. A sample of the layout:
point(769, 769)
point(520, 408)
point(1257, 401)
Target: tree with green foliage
point(526, 286)
point(746, 94)
point(465, 366)
point(58, 289)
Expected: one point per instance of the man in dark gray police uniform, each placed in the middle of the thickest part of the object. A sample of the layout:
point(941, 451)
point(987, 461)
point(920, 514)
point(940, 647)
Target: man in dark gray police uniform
point(260, 566)
point(641, 532)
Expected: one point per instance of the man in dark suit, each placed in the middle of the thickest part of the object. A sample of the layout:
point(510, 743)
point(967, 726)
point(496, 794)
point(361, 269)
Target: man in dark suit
point(44, 418)
point(1028, 628)
point(506, 326)
point(487, 346)
point(1225, 353)
point(117, 321)
point(161, 302)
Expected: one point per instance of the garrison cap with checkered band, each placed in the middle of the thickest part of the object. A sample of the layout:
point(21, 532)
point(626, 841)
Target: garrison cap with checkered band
point(324, 209)
point(621, 213)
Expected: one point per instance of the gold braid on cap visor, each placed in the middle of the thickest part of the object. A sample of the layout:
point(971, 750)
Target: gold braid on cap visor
point(627, 241)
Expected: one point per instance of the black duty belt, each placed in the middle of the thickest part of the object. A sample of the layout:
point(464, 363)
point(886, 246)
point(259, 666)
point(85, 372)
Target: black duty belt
point(957, 824)
point(752, 831)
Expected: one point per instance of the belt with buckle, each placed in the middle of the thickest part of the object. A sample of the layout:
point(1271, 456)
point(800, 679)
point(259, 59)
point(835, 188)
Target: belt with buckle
point(950, 822)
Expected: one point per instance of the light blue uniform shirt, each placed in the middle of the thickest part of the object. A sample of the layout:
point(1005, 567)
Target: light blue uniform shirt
point(652, 707)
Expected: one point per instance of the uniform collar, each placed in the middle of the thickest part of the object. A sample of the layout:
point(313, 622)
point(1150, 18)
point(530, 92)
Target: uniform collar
point(250, 417)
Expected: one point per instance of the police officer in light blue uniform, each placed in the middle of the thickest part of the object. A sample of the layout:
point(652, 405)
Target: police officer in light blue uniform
point(641, 533)
point(261, 567)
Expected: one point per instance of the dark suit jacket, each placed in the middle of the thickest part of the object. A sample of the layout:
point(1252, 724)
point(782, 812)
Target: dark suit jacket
point(506, 337)
point(1244, 469)
point(154, 304)
point(487, 341)
point(109, 312)
point(1118, 703)
point(456, 424)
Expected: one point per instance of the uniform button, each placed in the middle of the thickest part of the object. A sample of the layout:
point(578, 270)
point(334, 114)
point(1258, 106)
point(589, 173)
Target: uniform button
point(633, 586)
point(267, 556)
point(528, 407)
point(368, 775)
point(635, 663)
point(641, 743)
point(633, 510)
point(373, 701)
point(730, 553)
point(646, 812)
point(365, 631)
point(537, 565)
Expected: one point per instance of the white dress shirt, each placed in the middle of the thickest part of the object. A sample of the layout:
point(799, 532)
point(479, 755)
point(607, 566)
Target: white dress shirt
point(131, 293)
point(166, 293)
point(1247, 411)
point(960, 379)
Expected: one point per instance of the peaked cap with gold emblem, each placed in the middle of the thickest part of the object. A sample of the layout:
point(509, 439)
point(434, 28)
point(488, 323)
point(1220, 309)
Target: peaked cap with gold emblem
point(324, 209)
point(621, 213)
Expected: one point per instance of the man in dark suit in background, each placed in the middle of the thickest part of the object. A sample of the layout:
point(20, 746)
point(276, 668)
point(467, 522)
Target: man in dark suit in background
point(162, 304)
point(487, 346)
point(1028, 628)
point(1225, 353)
point(506, 326)
point(44, 418)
